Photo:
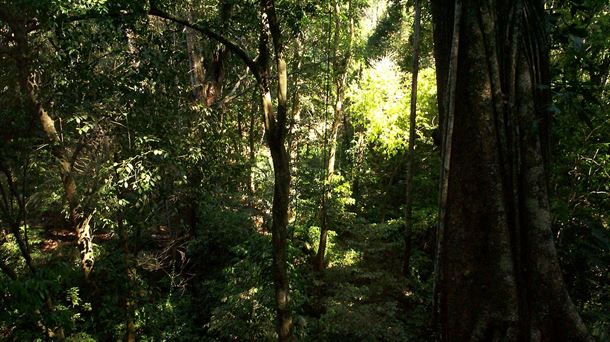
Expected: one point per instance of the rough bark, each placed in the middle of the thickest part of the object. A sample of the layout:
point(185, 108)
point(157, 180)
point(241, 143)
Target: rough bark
point(499, 276)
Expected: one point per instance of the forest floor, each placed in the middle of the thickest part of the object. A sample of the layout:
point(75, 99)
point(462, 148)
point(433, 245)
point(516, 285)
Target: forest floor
point(361, 295)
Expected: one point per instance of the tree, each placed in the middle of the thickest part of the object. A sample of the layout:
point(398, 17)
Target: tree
point(498, 275)
point(340, 70)
point(24, 56)
point(275, 123)
point(412, 137)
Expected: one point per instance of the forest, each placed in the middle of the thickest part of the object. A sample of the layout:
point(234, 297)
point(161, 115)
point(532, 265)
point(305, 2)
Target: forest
point(304, 170)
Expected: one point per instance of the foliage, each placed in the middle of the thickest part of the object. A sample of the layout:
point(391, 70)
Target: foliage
point(381, 100)
point(581, 168)
point(181, 190)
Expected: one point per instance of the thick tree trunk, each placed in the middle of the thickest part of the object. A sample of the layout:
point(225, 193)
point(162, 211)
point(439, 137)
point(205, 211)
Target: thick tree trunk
point(498, 269)
point(281, 192)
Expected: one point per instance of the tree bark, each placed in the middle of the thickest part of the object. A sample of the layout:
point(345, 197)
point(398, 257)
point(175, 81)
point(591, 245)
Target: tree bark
point(340, 68)
point(412, 137)
point(28, 83)
point(499, 277)
point(276, 130)
point(207, 71)
point(358, 162)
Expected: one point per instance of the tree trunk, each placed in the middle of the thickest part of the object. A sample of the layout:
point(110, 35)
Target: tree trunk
point(276, 130)
point(385, 193)
point(8, 271)
point(340, 68)
point(28, 83)
point(196, 72)
point(9, 196)
point(499, 277)
point(207, 71)
point(412, 136)
point(295, 120)
point(358, 161)
point(251, 156)
point(127, 294)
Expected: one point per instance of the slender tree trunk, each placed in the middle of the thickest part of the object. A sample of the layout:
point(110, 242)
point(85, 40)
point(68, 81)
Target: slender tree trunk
point(295, 121)
point(357, 166)
point(10, 196)
point(195, 53)
point(385, 193)
point(296, 101)
point(340, 68)
point(251, 155)
point(412, 136)
point(497, 268)
point(275, 123)
point(5, 267)
point(276, 130)
point(127, 294)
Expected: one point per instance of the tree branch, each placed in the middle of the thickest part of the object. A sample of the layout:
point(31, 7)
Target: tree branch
point(233, 47)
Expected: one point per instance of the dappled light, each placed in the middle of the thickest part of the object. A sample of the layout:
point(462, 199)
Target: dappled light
point(338, 170)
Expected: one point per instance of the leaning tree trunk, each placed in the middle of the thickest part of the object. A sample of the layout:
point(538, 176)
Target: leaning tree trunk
point(28, 82)
point(498, 272)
